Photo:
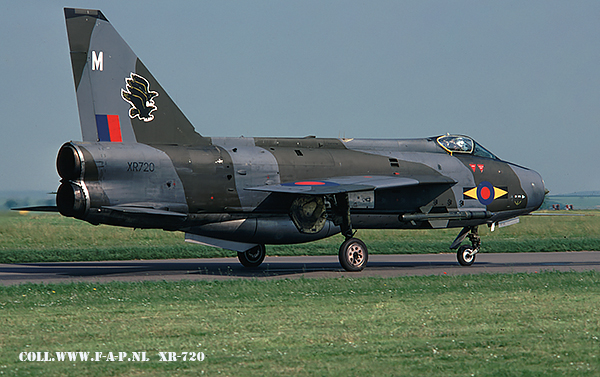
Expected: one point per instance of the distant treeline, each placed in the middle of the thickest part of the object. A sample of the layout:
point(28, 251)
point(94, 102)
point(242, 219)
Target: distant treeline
point(578, 194)
point(576, 200)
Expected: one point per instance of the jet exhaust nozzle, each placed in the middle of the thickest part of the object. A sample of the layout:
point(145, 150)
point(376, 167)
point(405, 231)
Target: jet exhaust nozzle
point(70, 196)
point(69, 162)
point(71, 200)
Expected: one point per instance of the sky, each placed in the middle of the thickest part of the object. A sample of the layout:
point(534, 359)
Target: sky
point(522, 78)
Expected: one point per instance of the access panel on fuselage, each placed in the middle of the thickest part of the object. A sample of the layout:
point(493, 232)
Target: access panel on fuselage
point(208, 177)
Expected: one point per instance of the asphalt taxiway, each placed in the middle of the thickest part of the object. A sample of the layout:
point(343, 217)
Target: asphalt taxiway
point(292, 267)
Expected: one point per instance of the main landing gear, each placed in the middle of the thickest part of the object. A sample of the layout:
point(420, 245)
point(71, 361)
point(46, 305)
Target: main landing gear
point(353, 254)
point(254, 257)
point(466, 254)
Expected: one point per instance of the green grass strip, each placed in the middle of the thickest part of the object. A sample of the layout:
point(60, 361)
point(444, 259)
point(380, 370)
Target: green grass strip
point(486, 325)
point(52, 238)
point(184, 251)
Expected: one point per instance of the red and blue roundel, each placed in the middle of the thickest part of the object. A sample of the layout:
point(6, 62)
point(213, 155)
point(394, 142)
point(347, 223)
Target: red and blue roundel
point(485, 193)
point(310, 183)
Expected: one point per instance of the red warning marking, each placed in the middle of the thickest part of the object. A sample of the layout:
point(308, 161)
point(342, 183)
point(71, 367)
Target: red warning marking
point(480, 166)
point(473, 167)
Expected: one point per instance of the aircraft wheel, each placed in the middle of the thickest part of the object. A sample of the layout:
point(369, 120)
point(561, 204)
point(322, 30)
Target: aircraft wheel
point(353, 255)
point(465, 255)
point(253, 257)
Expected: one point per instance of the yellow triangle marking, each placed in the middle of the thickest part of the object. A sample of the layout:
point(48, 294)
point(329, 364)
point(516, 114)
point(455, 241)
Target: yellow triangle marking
point(472, 193)
point(499, 192)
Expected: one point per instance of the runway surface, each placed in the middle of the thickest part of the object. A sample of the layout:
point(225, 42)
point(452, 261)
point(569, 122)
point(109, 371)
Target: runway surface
point(292, 267)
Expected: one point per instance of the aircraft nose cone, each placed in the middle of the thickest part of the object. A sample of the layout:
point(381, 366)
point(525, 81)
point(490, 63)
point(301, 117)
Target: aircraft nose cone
point(533, 185)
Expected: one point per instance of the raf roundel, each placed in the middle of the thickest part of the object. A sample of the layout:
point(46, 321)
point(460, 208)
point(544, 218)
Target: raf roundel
point(311, 183)
point(485, 193)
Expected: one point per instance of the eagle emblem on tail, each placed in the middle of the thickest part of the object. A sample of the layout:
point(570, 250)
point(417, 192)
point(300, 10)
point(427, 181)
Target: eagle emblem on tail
point(140, 97)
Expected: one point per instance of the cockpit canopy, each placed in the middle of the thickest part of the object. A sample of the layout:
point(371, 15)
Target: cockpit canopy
point(465, 145)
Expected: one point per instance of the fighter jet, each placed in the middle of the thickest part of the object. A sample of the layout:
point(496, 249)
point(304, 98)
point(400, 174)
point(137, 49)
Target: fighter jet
point(142, 164)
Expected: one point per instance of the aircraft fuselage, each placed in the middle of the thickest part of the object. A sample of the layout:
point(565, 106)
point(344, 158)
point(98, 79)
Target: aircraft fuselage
point(208, 189)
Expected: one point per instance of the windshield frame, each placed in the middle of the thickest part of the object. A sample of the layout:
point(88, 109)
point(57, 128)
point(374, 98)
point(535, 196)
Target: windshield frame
point(464, 145)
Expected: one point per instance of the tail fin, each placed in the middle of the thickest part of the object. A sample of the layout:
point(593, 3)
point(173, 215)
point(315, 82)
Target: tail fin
point(118, 98)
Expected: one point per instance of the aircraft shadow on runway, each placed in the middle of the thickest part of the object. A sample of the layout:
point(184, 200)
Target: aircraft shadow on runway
point(201, 268)
point(234, 269)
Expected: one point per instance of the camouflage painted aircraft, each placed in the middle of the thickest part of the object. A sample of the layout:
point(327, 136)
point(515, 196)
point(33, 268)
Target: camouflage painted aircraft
point(142, 164)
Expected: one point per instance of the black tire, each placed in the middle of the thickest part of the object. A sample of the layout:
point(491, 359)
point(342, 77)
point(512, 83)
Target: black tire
point(353, 255)
point(464, 256)
point(254, 257)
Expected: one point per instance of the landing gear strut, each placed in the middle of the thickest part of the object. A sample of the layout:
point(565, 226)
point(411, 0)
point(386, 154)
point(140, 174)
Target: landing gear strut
point(466, 254)
point(353, 254)
point(254, 257)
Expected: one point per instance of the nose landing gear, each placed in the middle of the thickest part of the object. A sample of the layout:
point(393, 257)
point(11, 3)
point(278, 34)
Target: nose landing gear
point(466, 254)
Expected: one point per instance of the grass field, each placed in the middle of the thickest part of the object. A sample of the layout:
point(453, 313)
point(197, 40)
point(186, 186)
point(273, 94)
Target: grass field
point(34, 237)
point(485, 325)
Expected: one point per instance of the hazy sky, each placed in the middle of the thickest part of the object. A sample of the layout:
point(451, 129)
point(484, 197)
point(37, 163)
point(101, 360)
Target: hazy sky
point(521, 77)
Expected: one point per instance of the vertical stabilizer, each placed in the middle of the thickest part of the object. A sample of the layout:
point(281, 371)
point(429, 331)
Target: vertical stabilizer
point(118, 98)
